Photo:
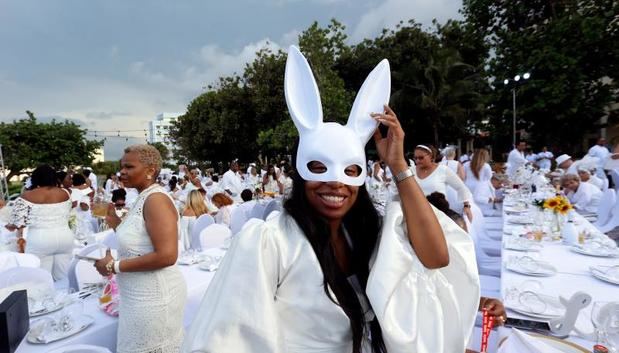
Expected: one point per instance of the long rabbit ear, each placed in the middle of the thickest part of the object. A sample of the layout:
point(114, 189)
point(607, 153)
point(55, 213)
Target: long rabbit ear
point(374, 93)
point(301, 92)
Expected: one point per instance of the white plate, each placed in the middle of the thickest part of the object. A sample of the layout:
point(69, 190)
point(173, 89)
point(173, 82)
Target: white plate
point(519, 220)
point(519, 245)
point(600, 274)
point(544, 269)
point(552, 310)
point(79, 325)
point(556, 343)
point(38, 309)
point(595, 252)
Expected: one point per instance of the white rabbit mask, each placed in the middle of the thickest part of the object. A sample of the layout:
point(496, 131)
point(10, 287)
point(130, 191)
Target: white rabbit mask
point(334, 145)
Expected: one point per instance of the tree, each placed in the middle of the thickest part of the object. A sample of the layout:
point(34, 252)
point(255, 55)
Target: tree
point(163, 150)
point(570, 49)
point(27, 143)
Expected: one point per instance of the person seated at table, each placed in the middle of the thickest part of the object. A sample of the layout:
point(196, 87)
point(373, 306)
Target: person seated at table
point(488, 194)
point(194, 208)
point(224, 204)
point(153, 291)
point(585, 197)
point(586, 177)
point(45, 211)
point(119, 199)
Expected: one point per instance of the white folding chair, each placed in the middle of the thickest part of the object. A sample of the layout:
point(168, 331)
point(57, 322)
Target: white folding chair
point(486, 264)
point(201, 223)
point(614, 174)
point(81, 271)
point(237, 219)
point(214, 236)
point(273, 205)
point(613, 221)
point(10, 259)
point(28, 278)
point(607, 201)
point(258, 210)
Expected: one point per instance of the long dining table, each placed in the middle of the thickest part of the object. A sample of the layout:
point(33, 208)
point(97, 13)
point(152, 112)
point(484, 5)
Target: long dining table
point(573, 273)
point(104, 329)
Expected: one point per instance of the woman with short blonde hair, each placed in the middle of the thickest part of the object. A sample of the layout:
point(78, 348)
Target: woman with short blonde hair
point(584, 196)
point(152, 289)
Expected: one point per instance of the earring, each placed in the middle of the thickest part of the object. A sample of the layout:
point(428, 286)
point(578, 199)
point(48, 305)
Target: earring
point(148, 177)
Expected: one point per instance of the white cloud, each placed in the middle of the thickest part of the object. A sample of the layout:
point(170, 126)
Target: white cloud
point(390, 12)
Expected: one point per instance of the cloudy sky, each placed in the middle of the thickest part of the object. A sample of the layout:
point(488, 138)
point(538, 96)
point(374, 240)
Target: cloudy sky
point(115, 64)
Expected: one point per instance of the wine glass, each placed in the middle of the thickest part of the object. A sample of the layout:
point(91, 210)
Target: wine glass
point(605, 320)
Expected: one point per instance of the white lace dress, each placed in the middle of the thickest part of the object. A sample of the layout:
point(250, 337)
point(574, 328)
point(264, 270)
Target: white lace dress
point(152, 303)
point(48, 233)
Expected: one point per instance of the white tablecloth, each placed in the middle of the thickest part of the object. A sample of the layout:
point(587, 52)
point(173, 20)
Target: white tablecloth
point(573, 275)
point(103, 331)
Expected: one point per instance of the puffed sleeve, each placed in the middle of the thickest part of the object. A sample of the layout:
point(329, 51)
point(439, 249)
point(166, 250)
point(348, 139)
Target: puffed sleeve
point(237, 313)
point(452, 179)
point(20, 213)
point(423, 310)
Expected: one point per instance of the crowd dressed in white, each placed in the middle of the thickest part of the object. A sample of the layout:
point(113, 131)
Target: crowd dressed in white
point(357, 260)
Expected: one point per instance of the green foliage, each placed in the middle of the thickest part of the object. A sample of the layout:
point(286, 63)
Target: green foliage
point(103, 169)
point(27, 143)
point(570, 48)
point(446, 82)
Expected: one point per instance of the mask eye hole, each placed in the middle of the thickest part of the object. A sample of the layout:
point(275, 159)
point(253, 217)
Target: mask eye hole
point(353, 170)
point(317, 167)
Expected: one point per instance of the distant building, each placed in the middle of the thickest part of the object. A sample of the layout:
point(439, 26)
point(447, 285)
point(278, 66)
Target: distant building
point(159, 129)
point(99, 156)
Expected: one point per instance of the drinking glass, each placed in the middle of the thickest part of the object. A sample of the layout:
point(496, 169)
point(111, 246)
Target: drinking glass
point(605, 320)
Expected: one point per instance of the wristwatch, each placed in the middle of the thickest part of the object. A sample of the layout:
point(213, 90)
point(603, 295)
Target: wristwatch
point(405, 174)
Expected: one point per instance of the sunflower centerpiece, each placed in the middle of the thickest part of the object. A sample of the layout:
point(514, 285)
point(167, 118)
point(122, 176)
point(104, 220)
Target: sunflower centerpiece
point(558, 205)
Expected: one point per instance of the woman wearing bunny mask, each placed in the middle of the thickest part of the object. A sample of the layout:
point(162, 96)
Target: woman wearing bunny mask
point(296, 282)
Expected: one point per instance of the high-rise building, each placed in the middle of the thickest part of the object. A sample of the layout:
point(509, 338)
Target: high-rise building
point(159, 128)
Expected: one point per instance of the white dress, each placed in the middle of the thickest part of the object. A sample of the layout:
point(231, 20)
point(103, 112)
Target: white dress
point(471, 181)
point(48, 233)
point(280, 305)
point(152, 303)
point(438, 181)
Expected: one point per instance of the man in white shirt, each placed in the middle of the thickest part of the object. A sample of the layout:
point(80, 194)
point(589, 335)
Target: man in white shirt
point(544, 159)
point(566, 165)
point(92, 177)
point(601, 152)
point(231, 182)
point(516, 158)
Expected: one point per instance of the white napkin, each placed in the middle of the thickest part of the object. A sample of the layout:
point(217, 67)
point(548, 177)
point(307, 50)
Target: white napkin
point(520, 342)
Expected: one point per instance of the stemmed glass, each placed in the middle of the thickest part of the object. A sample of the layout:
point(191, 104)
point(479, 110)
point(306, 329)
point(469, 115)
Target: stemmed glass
point(605, 320)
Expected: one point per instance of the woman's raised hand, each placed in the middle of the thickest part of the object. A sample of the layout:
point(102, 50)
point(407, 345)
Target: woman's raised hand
point(390, 148)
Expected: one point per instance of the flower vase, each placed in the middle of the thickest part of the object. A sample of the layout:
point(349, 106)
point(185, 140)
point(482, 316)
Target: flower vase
point(559, 221)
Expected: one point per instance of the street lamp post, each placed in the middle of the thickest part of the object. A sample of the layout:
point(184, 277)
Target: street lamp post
point(517, 78)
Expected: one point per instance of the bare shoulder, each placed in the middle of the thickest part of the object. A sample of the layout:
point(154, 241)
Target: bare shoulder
point(158, 204)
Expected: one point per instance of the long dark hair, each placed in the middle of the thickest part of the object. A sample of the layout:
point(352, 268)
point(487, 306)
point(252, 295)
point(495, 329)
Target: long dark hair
point(363, 224)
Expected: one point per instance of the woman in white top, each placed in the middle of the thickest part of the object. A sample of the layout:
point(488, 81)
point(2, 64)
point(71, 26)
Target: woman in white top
point(270, 181)
point(433, 177)
point(583, 196)
point(297, 283)
point(194, 208)
point(478, 170)
point(449, 160)
point(112, 184)
point(152, 289)
point(586, 177)
point(45, 211)
point(224, 204)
